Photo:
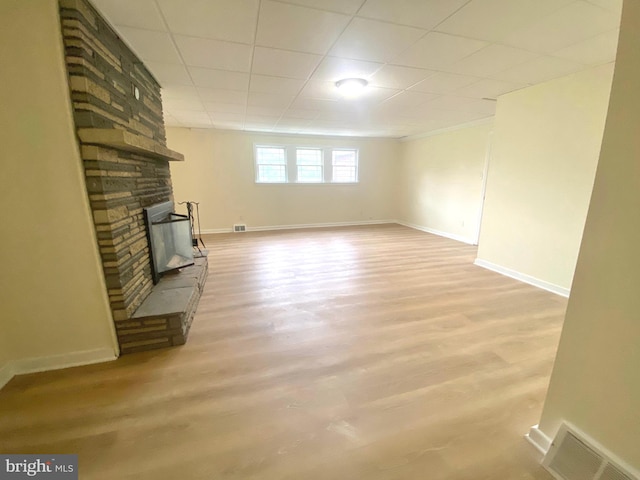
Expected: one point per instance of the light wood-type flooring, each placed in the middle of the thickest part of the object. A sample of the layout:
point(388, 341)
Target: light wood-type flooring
point(374, 352)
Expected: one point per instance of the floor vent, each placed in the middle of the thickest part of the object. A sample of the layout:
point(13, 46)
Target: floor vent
point(239, 227)
point(573, 456)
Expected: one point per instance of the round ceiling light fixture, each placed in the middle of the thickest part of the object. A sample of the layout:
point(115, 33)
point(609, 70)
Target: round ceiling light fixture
point(351, 87)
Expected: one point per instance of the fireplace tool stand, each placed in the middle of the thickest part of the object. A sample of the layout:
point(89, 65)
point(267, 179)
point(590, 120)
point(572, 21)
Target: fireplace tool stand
point(193, 220)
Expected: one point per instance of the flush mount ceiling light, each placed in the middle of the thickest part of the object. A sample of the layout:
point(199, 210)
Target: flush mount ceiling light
point(351, 87)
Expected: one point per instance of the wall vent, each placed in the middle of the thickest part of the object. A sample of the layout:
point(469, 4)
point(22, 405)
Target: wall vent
point(574, 456)
point(239, 227)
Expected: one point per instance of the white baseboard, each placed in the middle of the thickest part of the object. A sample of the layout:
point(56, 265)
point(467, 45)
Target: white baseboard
point(299, 226)
point(451, 236)
point(523, 277)
point(538, 439)
point(55, 362)
point(208, 231)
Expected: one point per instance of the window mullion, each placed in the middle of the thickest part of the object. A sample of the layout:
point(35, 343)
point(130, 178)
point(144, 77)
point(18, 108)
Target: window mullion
point(292, 167)
point(326, 161)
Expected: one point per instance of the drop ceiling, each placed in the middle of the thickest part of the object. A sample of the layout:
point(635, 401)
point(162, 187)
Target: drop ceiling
point(271, 66)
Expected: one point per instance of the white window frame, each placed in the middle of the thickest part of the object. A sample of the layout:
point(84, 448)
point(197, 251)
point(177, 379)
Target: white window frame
point(291, 165)
point(256, 165)
point(322, 164)
point(355, 150)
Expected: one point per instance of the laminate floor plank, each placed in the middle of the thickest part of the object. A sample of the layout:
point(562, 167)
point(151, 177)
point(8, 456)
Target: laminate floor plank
point(372, 352)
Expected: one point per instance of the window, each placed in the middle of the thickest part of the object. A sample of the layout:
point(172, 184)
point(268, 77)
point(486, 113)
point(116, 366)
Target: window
point(305, 164)
point(345, 165)
point(271, 165)
point(309, 165)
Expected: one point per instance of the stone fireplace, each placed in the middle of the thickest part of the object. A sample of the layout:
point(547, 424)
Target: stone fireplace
point(118, 116)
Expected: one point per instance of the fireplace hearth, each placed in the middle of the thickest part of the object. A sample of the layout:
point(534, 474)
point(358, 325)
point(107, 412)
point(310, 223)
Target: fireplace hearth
point(122, 143)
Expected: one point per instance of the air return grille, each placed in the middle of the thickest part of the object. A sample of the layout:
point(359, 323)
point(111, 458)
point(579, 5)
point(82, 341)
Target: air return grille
point(575, 460)
point(573, 456)
point(612, 473)
point(239, 227)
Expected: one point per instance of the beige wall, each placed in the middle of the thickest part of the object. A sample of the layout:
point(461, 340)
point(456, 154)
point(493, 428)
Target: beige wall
point(219, 173)
point(440, 187)
point(545, 148)
point(54, 305)
point(6, 354)
point(596, 377)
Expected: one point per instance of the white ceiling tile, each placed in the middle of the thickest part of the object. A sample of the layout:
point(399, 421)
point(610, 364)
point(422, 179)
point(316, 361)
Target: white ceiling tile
point(488, 88)
point(539, 70)
point(276, 85)
point(192, 117)
point(407, 99)
point(196, 123)
point(491, 59)
point(450, 102)
point(298, 28)
point(388, 43)
point(217, 107)
point(434, 124)
point(233, 20)
point(574, 23)
point(185, 92)
point(392, 76)
point(335, 68)
point(416, 115)
point(301, 113)
point(138, 14)
point(266, 111)
point(341, 6)
point(222, 79)
point(594, 51)
point(201, 52)
point(227, 125)
point(269, 100)
point(320, 89)
point(261, 119)
point(418, 13)
point(151, 46)
point(217, 117)
point(283, 63)
point(492, 20)
point(172, 104)
point(374, 41)
point(438, 50)
point(444, 83)
point(315, 104)
point(292, 122)
point(169, 73)
point(328, 91)
point(344, 116)
point(217, 95)
point(446, 119)
point(613, 5)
